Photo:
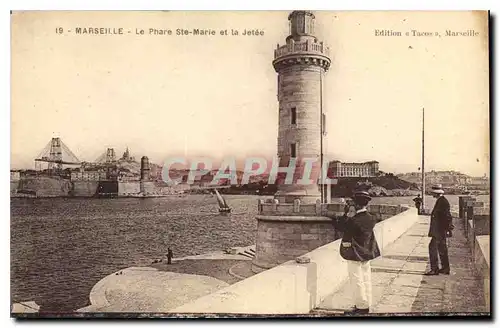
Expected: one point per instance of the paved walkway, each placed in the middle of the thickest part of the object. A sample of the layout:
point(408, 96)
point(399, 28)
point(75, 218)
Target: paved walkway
point(399, 285)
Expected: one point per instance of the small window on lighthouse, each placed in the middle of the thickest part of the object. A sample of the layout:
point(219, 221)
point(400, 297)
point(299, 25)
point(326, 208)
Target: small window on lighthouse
point(293, 114)
point(293, 150)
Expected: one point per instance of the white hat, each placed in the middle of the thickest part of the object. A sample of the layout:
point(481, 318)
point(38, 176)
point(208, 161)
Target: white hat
point(437, 189)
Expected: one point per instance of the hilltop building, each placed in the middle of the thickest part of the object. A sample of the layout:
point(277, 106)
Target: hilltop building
point(366, 169)
point(127, 157)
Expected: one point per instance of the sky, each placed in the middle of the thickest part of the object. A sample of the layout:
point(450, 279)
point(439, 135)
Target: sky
point(216, 95)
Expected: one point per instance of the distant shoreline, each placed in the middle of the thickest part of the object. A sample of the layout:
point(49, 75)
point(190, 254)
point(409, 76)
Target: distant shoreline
point(190, 194)
point(95, 197)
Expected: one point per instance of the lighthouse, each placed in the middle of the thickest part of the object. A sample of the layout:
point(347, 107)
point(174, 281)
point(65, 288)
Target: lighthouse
point(301, 65)
point(296, 224)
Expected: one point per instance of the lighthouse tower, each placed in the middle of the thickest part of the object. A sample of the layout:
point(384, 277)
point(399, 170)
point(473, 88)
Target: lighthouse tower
point(284, 230)
point(301, 65)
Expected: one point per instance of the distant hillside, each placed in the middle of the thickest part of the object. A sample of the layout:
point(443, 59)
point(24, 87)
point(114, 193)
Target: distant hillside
point(442, 177)
point(385, 185)
point(388, 185)
point(132, 167)
point(390, 181)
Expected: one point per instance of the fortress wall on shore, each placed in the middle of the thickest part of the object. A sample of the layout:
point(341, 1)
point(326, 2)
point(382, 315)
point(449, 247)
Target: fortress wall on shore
point(46, 186)
point(128, 188)
point(84, 188)
point(169, 190)
point(14, 185)
point(147, 187)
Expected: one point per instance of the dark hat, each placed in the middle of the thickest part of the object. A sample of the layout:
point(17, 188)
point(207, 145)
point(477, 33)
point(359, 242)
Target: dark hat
point(362, 194)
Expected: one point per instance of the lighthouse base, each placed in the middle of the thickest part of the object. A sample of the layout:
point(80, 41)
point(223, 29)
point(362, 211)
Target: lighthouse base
point(284, 238)
point(306, 196)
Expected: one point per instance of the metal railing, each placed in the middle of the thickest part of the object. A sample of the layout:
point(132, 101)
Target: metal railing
point(308, 46)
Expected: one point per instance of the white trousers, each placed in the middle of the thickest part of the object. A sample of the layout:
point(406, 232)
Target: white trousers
point(360, 278)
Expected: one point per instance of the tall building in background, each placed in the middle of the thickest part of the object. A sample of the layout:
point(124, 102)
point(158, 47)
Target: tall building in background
point(365, 169)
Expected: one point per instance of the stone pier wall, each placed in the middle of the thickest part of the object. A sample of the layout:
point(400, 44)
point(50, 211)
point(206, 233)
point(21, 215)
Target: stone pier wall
point(475, 217)
point(381, 212)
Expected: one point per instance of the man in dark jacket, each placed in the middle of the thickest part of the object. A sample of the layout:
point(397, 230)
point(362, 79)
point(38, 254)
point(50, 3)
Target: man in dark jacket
point(418, 203)
point(440, 228)
point(359, 247)
point(170, 254)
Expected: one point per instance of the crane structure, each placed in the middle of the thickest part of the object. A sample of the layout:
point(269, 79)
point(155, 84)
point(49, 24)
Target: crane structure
point(108, 157)
point(56, 154)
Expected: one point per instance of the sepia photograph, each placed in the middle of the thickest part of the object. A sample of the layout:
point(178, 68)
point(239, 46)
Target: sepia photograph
point(249, 164)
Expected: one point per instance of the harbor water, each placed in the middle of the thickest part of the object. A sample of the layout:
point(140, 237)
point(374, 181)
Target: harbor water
point(60, 248)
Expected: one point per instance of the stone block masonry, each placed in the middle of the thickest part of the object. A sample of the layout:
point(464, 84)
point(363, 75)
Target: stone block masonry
point(286, 231)
point(14, 185)
point(482, 266)
point(301, 65)
point(475, 217)
point(46, 186)
point(280, 238)
point(299, 93)
point(147, 187)
point(84, 188)
point(128, 188)
point(481, 216)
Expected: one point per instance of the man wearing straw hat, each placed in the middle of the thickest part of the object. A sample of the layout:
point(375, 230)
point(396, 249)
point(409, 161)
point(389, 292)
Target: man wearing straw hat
point(440, 228)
